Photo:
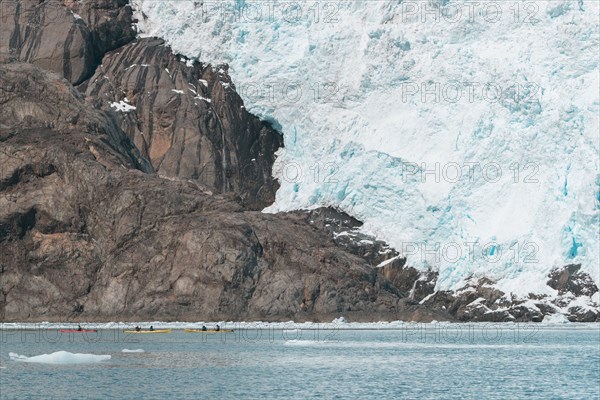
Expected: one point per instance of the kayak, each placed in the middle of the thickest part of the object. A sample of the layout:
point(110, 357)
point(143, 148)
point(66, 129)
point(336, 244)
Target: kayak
point(154, 331)
point(77, 331)
point(207, 331)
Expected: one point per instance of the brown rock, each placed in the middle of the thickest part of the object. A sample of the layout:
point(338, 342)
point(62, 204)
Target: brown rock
point(188, 120)
point(570, 279)
point(67, 40)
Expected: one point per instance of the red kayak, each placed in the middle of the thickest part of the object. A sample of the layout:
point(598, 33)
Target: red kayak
point(78, 331)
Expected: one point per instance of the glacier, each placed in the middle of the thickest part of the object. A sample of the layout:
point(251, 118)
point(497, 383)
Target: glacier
point(465, 134)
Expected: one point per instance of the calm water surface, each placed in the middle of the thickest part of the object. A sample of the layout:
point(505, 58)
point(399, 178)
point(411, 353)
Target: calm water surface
point(505, 361)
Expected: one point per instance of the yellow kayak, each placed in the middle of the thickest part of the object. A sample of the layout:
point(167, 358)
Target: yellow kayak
point(207, 331)
point(154, 331)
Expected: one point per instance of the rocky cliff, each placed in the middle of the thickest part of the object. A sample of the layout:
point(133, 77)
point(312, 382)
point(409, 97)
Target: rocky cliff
point(130, 184)
point(187, 119)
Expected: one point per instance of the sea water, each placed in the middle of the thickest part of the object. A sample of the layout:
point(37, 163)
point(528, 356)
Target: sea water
point(424, 361)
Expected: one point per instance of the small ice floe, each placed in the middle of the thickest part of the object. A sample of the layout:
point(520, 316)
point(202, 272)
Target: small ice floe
point(60, 357)
point(306, 343)
point(122, 106)
point(132, 351)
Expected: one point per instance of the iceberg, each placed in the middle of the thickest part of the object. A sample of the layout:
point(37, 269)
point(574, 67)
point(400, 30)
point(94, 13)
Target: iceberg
point(60, 357)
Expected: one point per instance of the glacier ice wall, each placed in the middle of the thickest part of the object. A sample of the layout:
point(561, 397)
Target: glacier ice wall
point(463, 133)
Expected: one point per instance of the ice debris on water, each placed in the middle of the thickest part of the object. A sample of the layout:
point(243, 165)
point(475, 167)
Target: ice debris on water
point(60, 357)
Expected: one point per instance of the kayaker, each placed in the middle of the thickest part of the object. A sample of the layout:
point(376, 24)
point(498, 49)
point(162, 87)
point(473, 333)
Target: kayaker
point(79, 329)
point(203, 328)
point(137, 329)
point(151, 328)
point(218, 328)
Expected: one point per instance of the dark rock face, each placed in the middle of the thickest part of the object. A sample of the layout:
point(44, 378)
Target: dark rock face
point(32, 98)
point(344, 230)
point(188, 120)
point(68, 37)
point(480, 301)
point(571, 280)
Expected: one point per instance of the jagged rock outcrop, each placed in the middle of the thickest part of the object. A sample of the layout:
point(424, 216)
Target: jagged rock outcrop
point(570, 279)
point(345, 232)
point(68, 37)
point(187, 119)
point(479, 300)
point(32, 98)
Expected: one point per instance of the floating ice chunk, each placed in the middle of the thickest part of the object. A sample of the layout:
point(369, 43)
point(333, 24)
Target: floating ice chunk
point(301, 343)
point(132, 351)
point(60, 357)
point(122, 106)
